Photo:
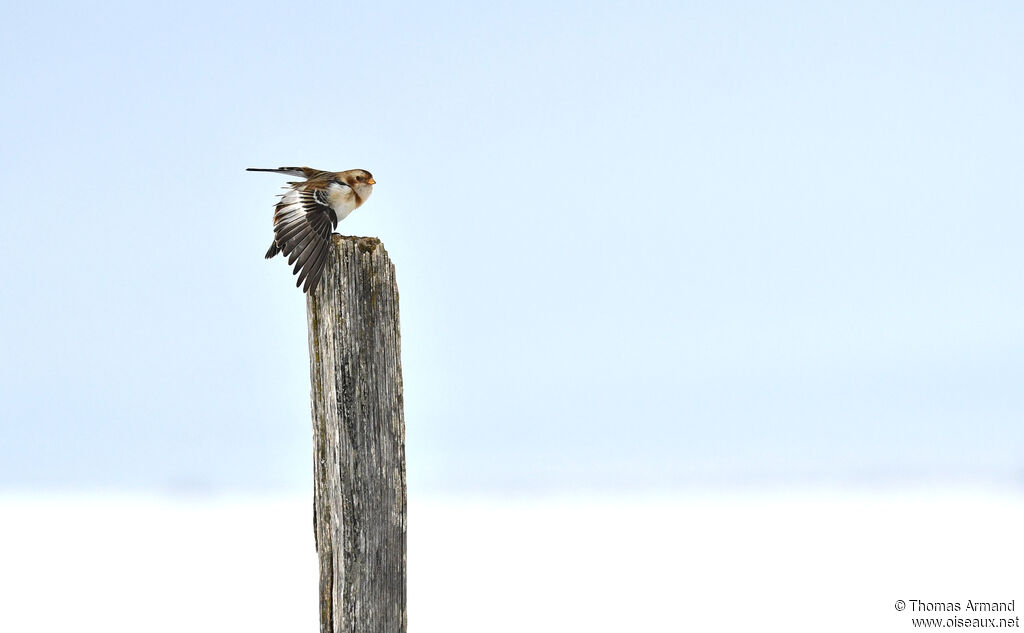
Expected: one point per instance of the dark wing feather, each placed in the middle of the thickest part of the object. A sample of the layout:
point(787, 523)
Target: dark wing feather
point(302, 230)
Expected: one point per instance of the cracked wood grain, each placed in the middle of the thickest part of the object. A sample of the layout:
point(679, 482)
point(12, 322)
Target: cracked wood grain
point(359, 509)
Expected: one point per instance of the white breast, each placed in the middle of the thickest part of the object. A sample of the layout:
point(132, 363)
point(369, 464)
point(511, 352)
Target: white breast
point(341, 199)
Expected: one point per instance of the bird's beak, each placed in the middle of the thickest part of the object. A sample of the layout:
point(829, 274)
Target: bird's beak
point(372, 181)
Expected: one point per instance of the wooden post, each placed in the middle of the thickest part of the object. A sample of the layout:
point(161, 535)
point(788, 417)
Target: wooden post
point(359, 509)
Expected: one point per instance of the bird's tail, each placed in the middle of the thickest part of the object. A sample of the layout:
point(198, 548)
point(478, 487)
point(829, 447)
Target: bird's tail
point(291, 171)
point(273, 250)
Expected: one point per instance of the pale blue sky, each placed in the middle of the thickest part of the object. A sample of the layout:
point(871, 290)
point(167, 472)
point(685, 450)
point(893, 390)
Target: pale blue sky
point(638, 245)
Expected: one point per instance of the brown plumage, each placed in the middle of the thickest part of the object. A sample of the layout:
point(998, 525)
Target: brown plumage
point(309, 211)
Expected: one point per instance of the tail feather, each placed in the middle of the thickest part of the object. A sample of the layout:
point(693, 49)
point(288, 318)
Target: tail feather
point(273, 250)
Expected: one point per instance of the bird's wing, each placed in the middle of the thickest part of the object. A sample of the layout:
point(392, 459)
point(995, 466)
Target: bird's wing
point(303, 221)
point(302, 172)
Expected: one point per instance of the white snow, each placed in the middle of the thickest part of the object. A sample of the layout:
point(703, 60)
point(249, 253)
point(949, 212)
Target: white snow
point(785, 561)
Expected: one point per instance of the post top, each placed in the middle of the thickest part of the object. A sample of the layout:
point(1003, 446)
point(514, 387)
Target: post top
point(365, 244)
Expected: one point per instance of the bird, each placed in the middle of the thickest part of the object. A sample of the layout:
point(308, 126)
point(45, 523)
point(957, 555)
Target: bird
point(309, 211)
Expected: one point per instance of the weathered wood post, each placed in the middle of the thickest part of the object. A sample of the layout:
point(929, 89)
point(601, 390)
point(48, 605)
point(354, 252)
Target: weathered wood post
point(359, 508)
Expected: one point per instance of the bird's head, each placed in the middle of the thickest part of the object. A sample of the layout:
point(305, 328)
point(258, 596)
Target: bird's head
point(361, 182)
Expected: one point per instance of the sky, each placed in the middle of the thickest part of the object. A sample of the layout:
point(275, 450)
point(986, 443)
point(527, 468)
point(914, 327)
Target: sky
point(639, 246)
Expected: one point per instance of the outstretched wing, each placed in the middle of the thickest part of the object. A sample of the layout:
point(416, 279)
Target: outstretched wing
point(302, 172)
point(303, 221)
